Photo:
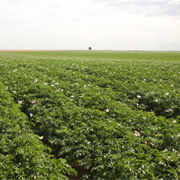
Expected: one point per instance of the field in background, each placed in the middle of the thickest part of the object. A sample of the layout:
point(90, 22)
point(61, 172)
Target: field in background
point(119, 55)
point(101, 114)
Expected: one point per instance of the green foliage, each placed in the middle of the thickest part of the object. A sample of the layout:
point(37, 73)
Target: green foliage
point(22, 154)
point(111, 118)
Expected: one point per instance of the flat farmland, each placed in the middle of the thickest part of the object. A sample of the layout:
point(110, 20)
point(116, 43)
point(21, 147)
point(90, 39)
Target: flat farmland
point(90, 115)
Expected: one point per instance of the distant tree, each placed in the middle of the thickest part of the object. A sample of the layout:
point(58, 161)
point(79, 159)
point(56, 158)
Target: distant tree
point(90, 48)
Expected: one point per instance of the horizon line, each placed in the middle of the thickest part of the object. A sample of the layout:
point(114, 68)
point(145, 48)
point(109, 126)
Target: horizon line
point(47, 50)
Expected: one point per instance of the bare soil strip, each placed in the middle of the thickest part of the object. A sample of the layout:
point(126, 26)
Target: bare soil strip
point(34, 50)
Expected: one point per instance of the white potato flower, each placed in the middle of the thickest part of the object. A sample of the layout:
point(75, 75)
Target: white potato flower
point(136, 133)
point(40, 138)
point(20, 102)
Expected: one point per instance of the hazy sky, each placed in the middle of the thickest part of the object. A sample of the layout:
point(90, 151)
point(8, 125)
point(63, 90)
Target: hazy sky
point(101, 24)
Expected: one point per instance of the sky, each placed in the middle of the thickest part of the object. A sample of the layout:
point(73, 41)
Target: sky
point(100, 24)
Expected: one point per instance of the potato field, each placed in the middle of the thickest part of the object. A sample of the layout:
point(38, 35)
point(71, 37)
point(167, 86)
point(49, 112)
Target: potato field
point(90, 115)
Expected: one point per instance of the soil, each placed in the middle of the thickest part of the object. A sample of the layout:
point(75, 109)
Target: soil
point(34, 50)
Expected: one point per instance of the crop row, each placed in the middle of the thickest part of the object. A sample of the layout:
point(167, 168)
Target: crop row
point(22, 154)
point(141, 85)
point(96, 122)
